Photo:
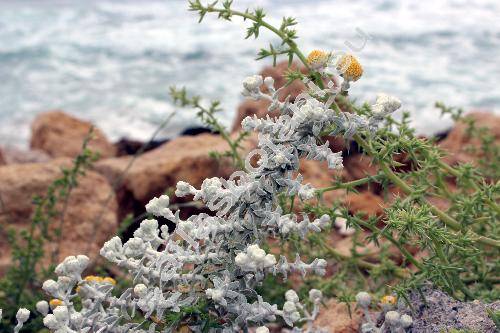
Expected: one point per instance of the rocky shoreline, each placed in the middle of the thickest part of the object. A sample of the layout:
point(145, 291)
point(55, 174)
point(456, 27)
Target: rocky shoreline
point(122, 181)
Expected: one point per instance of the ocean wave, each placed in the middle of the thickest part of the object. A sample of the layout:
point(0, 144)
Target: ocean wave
point(112, 61)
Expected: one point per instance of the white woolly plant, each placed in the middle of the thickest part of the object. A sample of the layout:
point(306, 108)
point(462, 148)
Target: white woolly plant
point(218, 258)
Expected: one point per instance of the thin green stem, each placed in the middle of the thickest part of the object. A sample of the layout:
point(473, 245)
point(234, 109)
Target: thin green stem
point(391, 239)
point(265, 24)
point(350, 184)
point(455, 173)
point(399, 272)
point(445, 218)
point(454, 277)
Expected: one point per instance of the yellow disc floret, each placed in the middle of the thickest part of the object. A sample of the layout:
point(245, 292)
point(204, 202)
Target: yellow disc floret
point(109, 280)
point(388, 299)
point(93, 278)
point(350, 67)
point(317, 59)
point(54, 303)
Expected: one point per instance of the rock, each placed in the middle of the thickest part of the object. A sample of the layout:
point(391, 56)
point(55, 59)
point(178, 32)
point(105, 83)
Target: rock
point(318, 175)
point(82, 231)
point(360, 166)
point(441, 313)
point(138, 180)
point(458, 144)
point(125, 147)
point(335, 318)
point(11, 155)
point(197, 130)
point(365, 203)
point(336, 143)
point(62, 135)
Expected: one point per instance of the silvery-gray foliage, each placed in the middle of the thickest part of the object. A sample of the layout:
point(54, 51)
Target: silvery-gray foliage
point(218, 257)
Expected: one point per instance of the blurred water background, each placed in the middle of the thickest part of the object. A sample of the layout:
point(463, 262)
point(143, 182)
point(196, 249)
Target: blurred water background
point(112, 61)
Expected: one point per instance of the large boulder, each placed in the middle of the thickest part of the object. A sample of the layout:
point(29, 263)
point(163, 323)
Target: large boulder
point(89, 219)
point(138, 179)
point(62, 135)
point(12, 155)
point(465, 148)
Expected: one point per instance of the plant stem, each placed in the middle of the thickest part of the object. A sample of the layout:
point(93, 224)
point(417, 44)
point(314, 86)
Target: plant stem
point(391, 239)
point(455, 173)
point(350, 184)
point(445, 218)
point(291, 44)
point(399, 272)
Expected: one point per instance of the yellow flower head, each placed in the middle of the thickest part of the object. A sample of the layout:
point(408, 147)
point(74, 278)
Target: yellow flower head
point(317, 59)
point(388, 299)
point(54, 303)
point(350, 67)
point(109, 280)
point(93, 278)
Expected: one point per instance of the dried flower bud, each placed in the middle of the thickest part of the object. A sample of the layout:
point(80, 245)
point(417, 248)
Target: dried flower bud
point(315, 295)
point(406, 321)
point(50, 321)
point(42, 307)
point(140, 290)
point(291, 296)
point(22, 315)
point(364, 299)
point(392, 318)
point(252, 83)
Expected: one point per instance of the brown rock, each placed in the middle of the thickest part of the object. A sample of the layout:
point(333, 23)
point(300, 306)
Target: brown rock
point(359, 166)
point(11, 155)
point(336, 143)
point(80, 233)
point(187, 158)
point(459, 144)
point(61, 135)
point(365, 203)
point(335, 318)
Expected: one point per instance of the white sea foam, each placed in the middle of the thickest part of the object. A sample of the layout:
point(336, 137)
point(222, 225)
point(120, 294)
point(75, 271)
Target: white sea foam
point(112, 61)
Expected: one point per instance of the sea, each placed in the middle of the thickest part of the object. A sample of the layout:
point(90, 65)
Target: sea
point(112, 61)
